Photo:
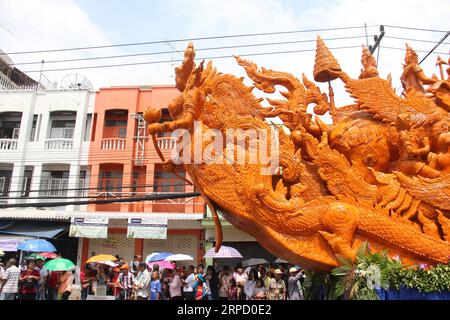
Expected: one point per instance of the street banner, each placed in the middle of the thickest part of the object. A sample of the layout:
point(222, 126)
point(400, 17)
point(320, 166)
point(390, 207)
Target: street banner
point(9, 244)
point(89, 228)
point(147, 228)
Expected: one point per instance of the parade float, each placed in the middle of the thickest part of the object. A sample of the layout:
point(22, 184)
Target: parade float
point(379, 173)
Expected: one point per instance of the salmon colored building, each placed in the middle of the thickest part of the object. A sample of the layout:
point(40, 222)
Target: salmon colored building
point(123, 162)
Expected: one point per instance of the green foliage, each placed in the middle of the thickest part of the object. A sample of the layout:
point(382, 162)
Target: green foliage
point(357, 280)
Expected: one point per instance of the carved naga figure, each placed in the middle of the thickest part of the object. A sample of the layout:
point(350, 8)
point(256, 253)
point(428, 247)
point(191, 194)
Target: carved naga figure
point(378, 173)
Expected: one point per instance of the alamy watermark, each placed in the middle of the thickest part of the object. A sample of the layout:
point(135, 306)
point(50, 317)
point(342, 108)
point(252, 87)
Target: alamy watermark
point(232, 146)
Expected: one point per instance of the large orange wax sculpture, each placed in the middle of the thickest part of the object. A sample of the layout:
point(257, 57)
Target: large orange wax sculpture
point(379, 173)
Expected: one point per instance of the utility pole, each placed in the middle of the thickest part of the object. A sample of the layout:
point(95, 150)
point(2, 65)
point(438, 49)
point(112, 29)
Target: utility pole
point(377, 40)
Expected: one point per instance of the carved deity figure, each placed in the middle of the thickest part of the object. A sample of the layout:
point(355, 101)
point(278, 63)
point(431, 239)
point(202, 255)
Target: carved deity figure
point(413, 76)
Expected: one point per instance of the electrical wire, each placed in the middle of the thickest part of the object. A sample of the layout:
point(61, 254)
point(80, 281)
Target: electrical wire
point(436, 46)
point(181, 60)
point(188, 39)
point(131, 199)
point(413, 28)
point(100, 189)
point(197, 49)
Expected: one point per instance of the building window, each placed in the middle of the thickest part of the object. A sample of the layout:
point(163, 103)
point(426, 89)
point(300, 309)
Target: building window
point(62, 129)
point(81, 184)
point(116, 123)
point(110, 181)
point(88, 129)
point(10, 130)
point(168, 182)
point(26, 183)
point(54, 183)
point(33, 128)
point(5, 181)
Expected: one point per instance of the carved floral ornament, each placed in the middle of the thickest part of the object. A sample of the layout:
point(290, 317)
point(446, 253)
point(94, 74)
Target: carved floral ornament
point(379, 173)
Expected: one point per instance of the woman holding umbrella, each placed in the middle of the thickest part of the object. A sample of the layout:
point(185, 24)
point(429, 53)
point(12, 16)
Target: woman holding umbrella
point(29, 279)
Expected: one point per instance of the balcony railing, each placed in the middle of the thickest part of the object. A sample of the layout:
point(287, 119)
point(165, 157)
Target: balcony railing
point(8, 144)
point(113, 143)
point(166, 143)
point(58, 144)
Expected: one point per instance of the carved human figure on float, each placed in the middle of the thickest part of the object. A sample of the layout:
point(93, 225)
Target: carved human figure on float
point(414, 148)
point(441, 159)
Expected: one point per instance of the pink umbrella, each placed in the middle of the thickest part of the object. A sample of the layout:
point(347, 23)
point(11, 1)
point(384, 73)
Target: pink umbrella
point(48, 255)
point(224, 252)
point(162, 264)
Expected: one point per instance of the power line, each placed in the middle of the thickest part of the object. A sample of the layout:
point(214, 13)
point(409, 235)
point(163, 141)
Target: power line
point(197, 49)
point(202, 58)
point(188, 39)
point(100, 189)
point(180, 60)
point(435, 47)
point(131, 199)
point(413, 28)
point(408, 39)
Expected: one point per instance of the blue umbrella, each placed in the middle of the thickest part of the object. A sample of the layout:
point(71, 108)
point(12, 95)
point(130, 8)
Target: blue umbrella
point(36, 245)
point(160, 256)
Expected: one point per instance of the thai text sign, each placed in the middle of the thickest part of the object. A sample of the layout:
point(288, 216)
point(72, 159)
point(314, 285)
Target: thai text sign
point(147, 228)
point(89, 228)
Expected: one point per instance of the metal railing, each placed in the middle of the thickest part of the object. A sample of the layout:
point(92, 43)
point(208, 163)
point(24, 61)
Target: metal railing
point(58, 144)
point(8, 144)
point(113, 143)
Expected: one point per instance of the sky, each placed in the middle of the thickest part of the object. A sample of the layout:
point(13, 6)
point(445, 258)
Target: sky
point(53, 24)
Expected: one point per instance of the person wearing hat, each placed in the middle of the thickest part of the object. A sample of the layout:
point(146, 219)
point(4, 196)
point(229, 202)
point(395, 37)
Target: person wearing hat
point(200, 288)
point(126, 279)
point(295, 290)
point(277, 287)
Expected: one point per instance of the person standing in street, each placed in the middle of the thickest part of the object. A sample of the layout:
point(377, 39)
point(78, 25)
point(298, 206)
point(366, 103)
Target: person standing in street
point(175, 286)
point(134, 264)
point(188, 282)
point(224, 283)
point(212, 282)
point(86, 278)
point(65, 285)
point(142, 282)
point(277, 288)
point(29, 279)
point(42, 283)
point(126, 280)
point(295, 290)
point(155, 286)
point(10, 280)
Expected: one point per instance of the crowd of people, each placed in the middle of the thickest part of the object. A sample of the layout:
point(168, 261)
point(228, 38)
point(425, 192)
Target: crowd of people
point(32, 281)
point(137, 281)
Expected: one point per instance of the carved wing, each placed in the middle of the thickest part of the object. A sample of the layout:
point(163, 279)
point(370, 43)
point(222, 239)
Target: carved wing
point(377, 97)
point(433, 191)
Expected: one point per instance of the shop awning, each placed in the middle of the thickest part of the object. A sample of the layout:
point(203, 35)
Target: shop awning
point(39, 229)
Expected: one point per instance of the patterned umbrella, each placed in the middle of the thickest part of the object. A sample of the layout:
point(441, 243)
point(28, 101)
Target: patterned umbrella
point(224, 252)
